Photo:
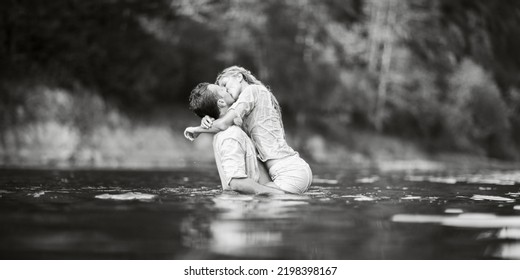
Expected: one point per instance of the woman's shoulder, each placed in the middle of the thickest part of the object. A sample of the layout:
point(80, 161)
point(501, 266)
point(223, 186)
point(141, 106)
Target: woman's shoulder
point(256, 89)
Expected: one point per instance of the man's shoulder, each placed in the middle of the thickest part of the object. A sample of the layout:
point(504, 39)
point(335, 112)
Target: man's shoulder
point(233, 132)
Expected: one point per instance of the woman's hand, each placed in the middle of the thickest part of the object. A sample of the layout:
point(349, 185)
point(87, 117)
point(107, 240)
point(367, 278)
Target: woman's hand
point(190, 133)
point(206, 122)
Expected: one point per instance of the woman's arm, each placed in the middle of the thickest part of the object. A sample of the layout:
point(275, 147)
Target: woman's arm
point(217, 126)
point(193, 132)
point(220, 124)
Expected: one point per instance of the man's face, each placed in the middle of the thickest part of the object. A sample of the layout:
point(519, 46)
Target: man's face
point(223, 93)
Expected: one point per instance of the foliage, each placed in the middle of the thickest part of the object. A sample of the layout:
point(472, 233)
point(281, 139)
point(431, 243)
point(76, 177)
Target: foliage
point(441, 72)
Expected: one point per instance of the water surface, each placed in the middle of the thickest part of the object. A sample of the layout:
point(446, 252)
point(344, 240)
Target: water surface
point(183, 214)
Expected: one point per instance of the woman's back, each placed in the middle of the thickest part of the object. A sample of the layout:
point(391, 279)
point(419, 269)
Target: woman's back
point(261, 120)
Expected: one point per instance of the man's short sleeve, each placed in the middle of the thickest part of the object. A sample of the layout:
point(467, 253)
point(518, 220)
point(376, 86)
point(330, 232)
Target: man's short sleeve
point(232, 156)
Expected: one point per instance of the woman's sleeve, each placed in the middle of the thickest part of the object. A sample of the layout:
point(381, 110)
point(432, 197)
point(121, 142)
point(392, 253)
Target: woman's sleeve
point(245, 103)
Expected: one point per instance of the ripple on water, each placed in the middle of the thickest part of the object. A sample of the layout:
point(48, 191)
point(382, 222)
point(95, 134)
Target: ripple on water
point(491, 178)
point(359, 197)
point(368, 180)
point(234, 197)
point(127, 196)
point(324, 181)
point(36, 194)
point(411, 197)
point(433, 179)
point(468, 220)
point(492, 198)
point(319, 191)
point(453, 211)
point(182, 190)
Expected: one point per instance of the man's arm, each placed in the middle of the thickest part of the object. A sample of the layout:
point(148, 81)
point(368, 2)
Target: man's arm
point(249, 186)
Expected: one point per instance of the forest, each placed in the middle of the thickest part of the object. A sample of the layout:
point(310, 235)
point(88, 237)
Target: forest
point(105, 83)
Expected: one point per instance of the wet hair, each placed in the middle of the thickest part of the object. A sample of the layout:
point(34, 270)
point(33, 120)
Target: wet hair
point(204, 101)
point(250, 79)
point(233, 70)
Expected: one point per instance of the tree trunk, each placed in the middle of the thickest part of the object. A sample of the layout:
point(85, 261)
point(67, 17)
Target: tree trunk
point(383, 85)
point(386, 61)
point(374, 25)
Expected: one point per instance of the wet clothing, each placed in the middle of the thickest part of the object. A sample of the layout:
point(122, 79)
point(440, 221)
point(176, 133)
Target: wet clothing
point(261, 121)
point(291, 174)
point(235, 156)
point(257, 115)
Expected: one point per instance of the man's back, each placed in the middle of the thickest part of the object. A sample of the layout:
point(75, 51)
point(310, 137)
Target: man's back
point(235, 156)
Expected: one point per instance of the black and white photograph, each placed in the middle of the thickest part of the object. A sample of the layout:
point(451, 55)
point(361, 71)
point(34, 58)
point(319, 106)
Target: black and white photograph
point(268, 130)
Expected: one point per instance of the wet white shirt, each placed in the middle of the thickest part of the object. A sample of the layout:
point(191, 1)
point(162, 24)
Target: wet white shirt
point(235, 156)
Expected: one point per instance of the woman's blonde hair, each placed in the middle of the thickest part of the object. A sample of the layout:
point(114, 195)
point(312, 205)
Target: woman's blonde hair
point(250, 79)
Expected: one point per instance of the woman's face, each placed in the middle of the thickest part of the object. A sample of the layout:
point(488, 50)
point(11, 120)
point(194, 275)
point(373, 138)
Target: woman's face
point(233, 84)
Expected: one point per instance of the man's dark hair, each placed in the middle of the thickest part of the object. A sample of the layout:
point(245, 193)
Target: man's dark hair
point(204, 102)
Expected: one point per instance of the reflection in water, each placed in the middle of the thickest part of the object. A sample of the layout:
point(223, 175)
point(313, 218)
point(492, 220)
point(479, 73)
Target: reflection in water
point(237, 238)
point(506, 251)
point(506, 232)
point(246, 225)
point(250, 226)
point(508, 246)
point(509, 233)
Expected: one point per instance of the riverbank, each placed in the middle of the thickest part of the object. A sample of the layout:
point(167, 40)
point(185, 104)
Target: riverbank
point(162, 146)
point(78, 129)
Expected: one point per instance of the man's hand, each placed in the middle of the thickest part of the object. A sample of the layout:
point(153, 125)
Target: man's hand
point(206, 122)
point(190, 133)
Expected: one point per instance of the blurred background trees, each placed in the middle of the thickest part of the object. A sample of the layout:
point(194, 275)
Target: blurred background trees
point(76, 75)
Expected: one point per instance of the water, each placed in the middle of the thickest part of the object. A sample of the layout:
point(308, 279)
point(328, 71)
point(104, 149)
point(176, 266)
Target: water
point(183, 214)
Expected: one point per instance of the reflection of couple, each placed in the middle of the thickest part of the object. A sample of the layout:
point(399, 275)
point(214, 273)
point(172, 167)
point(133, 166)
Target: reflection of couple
point(238, 98)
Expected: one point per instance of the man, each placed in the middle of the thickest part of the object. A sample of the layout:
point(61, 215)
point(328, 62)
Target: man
point(235, 155)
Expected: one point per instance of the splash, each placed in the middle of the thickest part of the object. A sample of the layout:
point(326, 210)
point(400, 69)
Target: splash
point(37, 194)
